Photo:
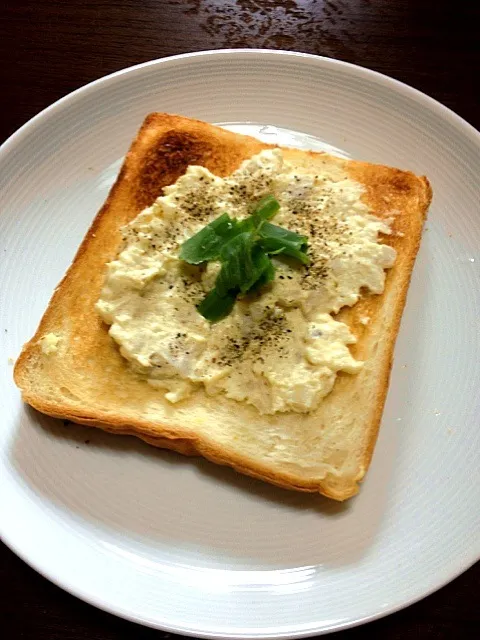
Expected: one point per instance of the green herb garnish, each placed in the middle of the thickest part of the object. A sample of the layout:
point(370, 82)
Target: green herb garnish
point(265, 209)
point(214, 307)
point(276, 240)
point(207, 243)
point(243, 248)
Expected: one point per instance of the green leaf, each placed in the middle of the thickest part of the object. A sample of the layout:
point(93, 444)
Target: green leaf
point(244, 262)
point(276, 247)
point(275, 240)
point(247, 225)
point(243, 247)
point(204, 245)
point(272, 231)
point(207, 243)
point(237, 265)
point(265, 209)
point(261, 264)
point(267, 276)
point(215, 307)
point(224, 226)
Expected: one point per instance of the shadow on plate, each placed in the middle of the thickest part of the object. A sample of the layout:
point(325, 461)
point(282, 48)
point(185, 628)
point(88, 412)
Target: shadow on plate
point(131, 493)
point(134, 496)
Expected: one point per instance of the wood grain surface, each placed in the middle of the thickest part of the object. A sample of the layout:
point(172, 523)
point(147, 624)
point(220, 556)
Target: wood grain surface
point(51, 47)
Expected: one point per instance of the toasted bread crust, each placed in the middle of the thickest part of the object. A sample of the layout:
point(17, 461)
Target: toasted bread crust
point(161, 152)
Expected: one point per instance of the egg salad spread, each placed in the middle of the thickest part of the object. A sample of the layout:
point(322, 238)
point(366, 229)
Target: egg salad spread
point(280, 348)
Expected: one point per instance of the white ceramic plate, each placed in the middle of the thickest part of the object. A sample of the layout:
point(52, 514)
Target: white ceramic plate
point(188, 546)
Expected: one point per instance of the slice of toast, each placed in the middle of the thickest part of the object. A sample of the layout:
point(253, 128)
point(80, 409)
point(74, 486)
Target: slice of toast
point(86, 380)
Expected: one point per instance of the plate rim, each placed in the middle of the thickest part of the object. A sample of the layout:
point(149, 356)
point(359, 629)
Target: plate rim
point(117, 611)
point(354, 68)
point(50, 111)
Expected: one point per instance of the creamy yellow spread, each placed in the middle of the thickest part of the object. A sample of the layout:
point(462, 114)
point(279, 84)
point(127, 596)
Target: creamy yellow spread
point(49, 343)
point(280, 349)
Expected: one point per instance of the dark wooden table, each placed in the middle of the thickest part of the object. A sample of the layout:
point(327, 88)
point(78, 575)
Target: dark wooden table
point(50, 47)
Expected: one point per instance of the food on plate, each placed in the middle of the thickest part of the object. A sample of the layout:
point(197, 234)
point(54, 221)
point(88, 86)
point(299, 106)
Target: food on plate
point(235, 300)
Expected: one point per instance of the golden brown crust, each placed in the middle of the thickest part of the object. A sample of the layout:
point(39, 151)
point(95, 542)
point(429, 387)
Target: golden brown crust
point(386, 192)
point(163, 148)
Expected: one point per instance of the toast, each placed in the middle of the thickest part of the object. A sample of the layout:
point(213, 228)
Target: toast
point(85, 379)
